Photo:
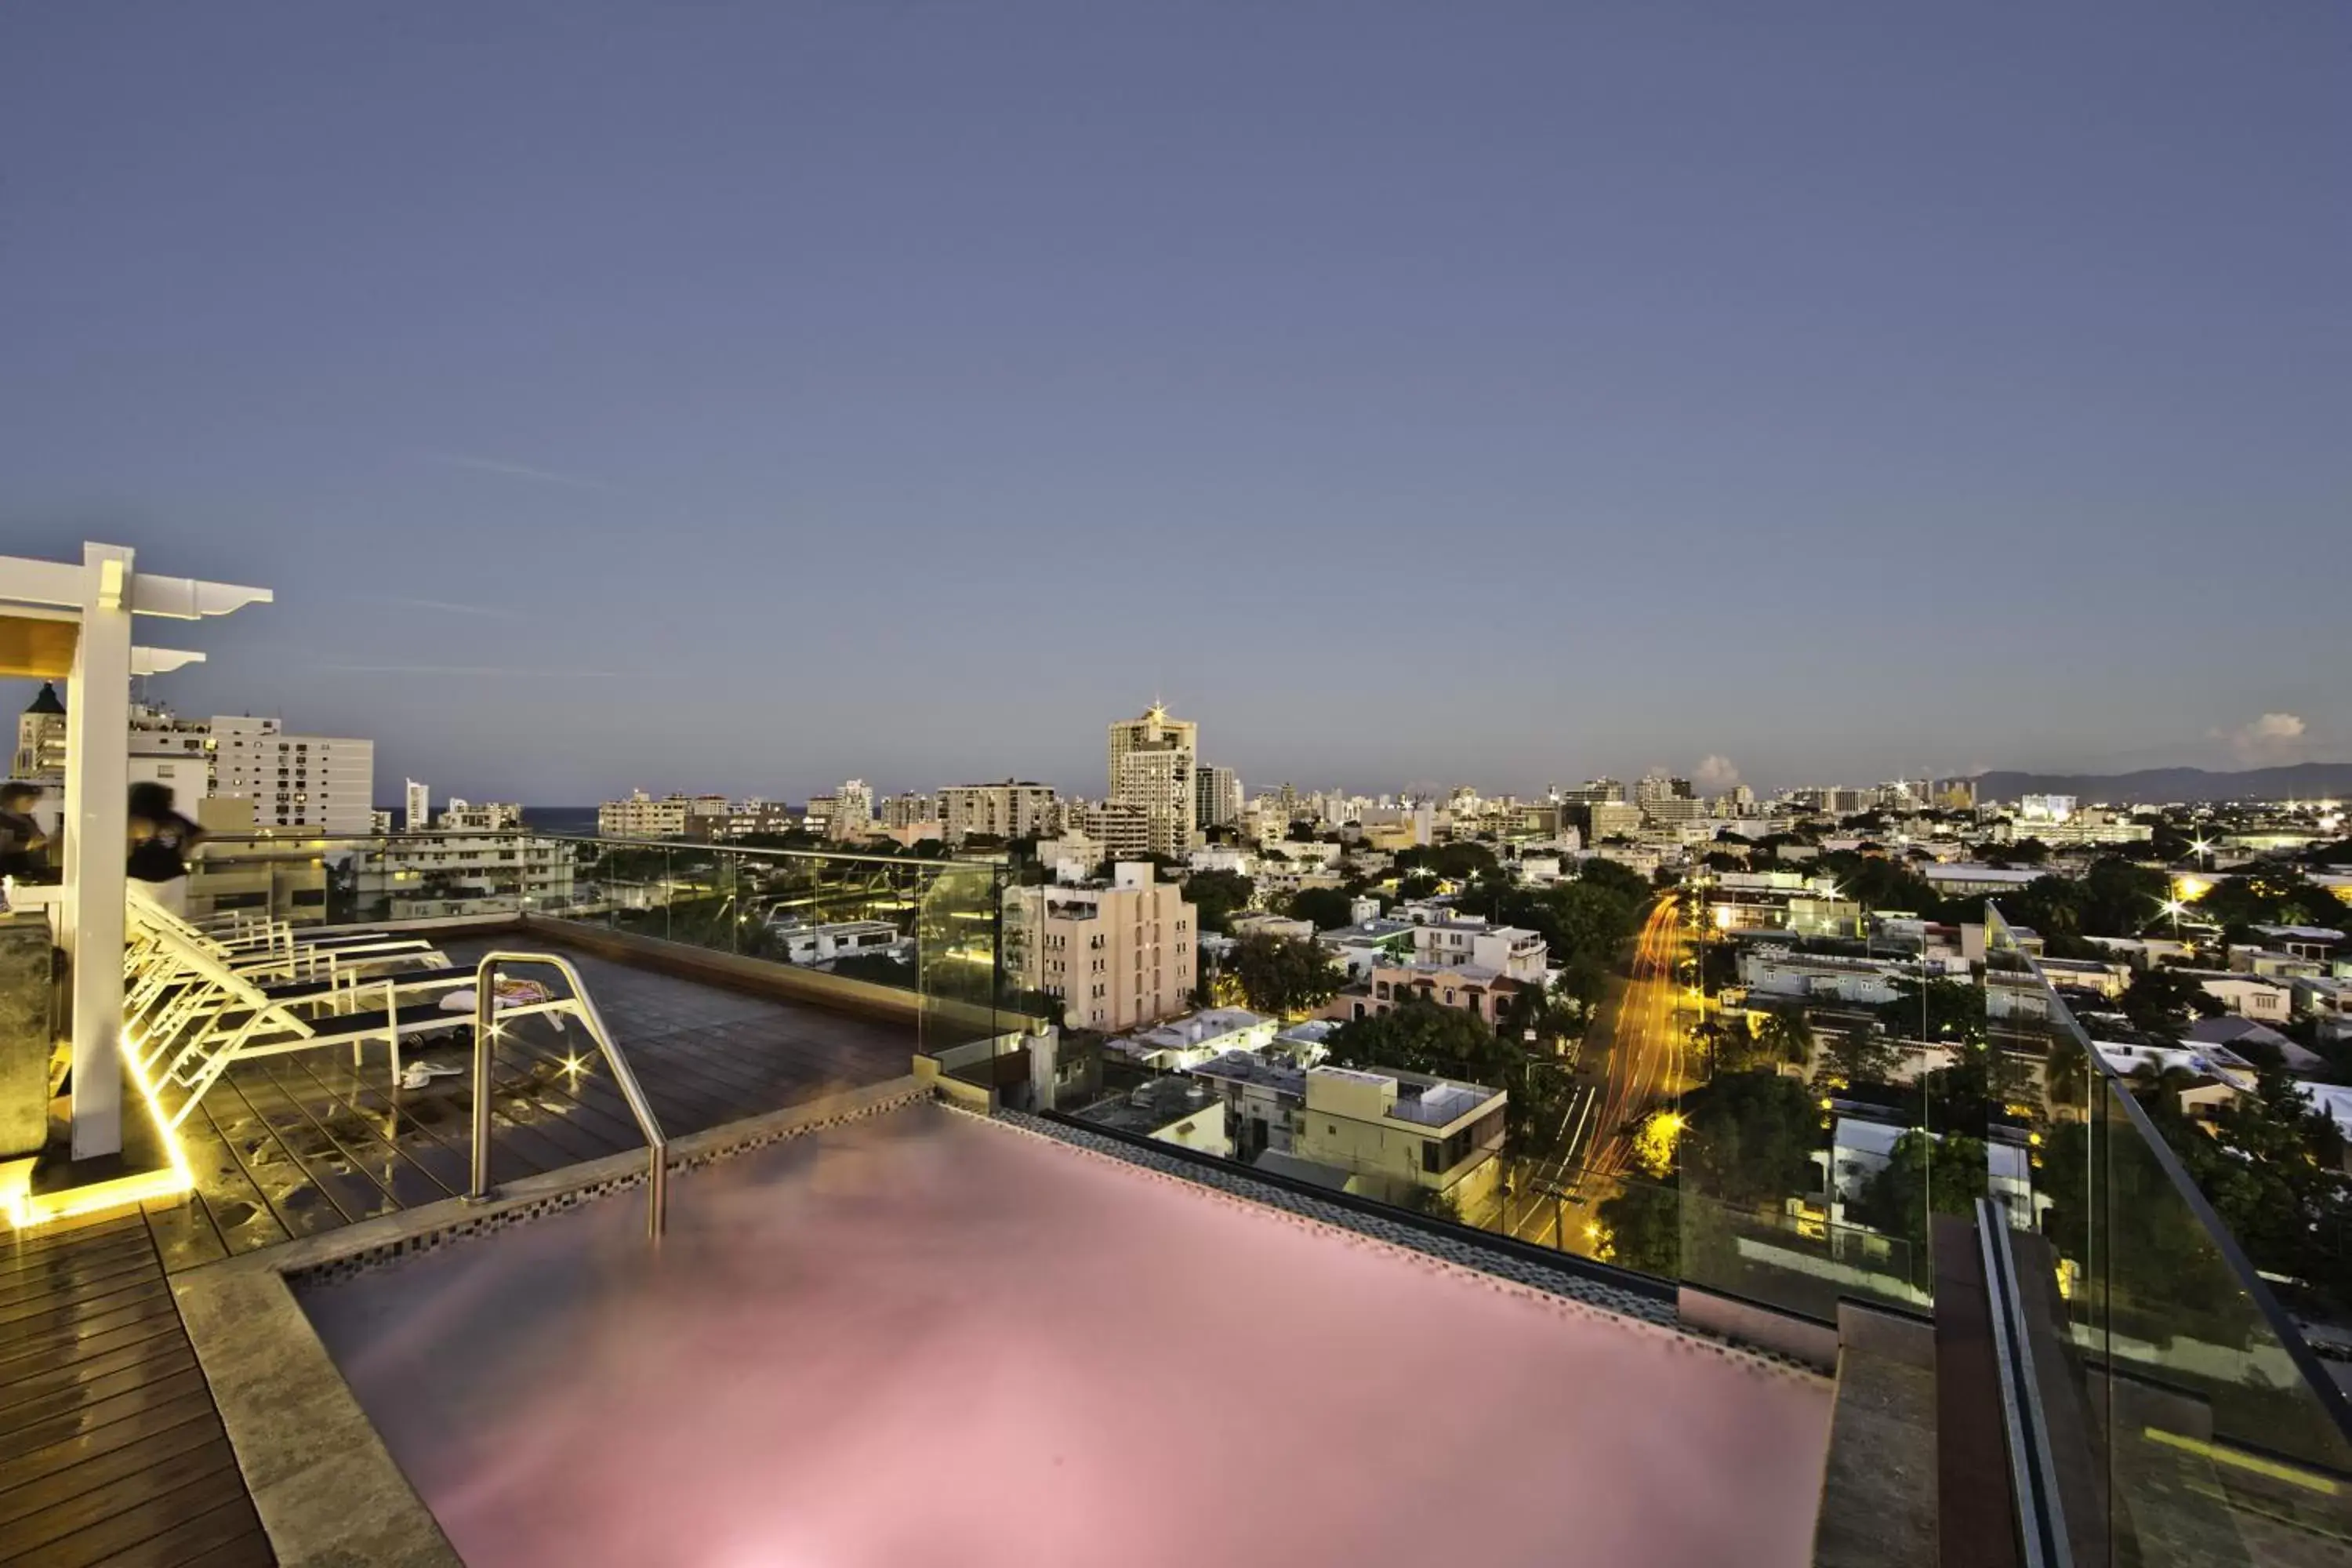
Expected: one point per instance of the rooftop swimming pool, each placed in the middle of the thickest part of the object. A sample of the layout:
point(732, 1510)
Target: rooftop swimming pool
point(919, 1338)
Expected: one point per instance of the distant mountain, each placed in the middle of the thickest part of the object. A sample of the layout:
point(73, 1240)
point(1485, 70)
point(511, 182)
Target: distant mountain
point(2304, 780)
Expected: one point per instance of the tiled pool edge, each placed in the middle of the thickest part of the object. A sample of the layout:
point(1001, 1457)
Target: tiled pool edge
point(1495, 1265)
point(327, 1488)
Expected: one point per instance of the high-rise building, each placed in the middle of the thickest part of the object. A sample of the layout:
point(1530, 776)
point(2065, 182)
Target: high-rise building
point(1596, 792)
point(852, 810)
point(41, 737)
point(1016, 808)
point(909, 810)
point(1655, 788)
point(1216, 796)
point(293, 781)
point(418, 815)
point(1152, 760)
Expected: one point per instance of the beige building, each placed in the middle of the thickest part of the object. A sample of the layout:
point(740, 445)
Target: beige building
point(642, 816)
point(1124, 831)
point(1118, 953)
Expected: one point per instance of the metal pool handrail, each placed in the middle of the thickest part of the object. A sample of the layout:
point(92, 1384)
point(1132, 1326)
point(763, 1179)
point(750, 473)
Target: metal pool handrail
point(486, 1020)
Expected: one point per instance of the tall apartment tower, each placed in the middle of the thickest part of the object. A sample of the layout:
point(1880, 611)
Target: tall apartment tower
point(852, 810)
point(41, 737)
point(1153, 761)
point(418, 815)
point(1217, 796)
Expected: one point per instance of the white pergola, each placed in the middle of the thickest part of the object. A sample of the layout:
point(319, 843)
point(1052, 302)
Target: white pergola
point(73, 621)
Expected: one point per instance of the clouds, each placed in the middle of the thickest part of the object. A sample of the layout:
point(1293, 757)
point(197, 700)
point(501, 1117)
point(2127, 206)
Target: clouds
point(1714, 775)
point(2273, 739)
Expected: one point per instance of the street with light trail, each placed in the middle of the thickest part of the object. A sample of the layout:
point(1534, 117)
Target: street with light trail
point(1640, 1043)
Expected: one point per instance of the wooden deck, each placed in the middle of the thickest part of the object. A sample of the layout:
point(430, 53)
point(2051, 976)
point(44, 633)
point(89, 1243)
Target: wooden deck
point(293, 1145)
point(110, 1451)
point(110, 1448)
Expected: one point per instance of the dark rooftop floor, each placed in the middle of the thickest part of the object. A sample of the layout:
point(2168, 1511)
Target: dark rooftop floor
point(290, 1146)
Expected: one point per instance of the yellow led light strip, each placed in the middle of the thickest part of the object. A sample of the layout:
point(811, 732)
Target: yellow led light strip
point(27, 1208)
point(2221, 1455)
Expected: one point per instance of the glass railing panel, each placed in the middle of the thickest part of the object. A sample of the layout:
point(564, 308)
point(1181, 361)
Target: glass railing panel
point(2205, 1430)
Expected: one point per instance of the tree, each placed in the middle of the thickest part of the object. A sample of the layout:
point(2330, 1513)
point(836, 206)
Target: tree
point(1419, 885)
point(2162, 1000)
point(1217, 895)
point(1622, 880)
point(1946, 1011)
point(1924, 1173)
point(2268, 895)
point(1747, 1140)
point(1876, 882)
point(1785, 1040)
point(1283, 975)
point(1418, 1036)
point(1329, 907)
point(1858, 1054)
point(1463, 860)
point(1641, 1229)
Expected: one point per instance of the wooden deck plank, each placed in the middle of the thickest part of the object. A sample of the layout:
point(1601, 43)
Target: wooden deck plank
point(240, 1543)
point(35, 1319)
point(32, 1397)
point(32, 1441)
point(105, 1468)
point(238, 1212)
point(163, 1473)
point(98, 1269)
point(183, 1233)
point(365, 1144)
point(23, 1465)
point(163, 1517)
point(310, 1151)
point(81, 1340)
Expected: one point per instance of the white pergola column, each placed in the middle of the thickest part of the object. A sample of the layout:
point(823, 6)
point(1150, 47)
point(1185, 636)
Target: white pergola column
point(100, 596)
point(97, 841)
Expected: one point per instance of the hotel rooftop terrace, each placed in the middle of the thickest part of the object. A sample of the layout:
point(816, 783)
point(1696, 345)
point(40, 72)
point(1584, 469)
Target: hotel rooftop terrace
point(528, 1206)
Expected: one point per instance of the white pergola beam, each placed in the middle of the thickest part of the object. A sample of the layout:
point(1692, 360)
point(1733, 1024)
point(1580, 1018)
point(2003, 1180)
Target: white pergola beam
point(161, 660)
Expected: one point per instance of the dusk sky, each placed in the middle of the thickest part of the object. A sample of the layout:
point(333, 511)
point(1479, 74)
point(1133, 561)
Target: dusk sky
point(742, 397)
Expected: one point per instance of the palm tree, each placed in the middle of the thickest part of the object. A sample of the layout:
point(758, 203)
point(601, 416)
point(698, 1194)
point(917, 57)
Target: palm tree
point(1788, 1039)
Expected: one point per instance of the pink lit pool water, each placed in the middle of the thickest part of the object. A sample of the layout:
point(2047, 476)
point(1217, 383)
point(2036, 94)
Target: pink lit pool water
point(918, 1339)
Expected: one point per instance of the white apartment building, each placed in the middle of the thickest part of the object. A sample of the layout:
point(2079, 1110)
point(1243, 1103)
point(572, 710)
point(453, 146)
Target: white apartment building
point(1521, 954)
point(417, 807)
point(1118, 953)
point(642, 816)
point(41, 738)
point(820, 944)
point(1182, 1044)
point(1152, 762)
point(1015, 808)
point(318, 782)
point(444, 874)
point(853, 811)
point(489, 816)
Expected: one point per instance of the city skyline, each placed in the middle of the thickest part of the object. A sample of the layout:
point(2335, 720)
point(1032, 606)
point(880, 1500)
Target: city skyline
point(902, 393)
